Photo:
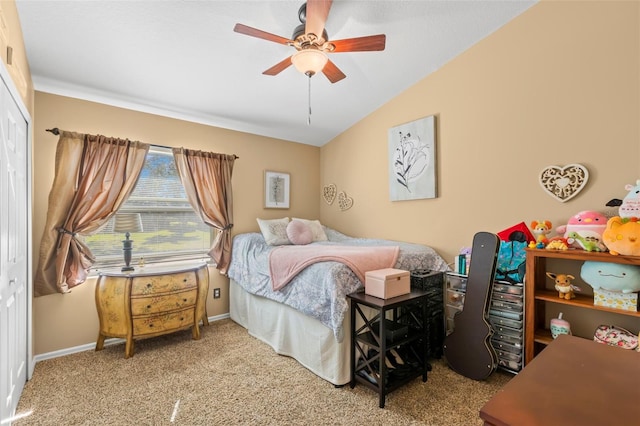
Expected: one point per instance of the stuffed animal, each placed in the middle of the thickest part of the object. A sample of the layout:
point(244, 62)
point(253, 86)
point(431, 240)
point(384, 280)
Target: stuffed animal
point(622, 236)
point(630, 206)
point(611, 276)
point(587, 243)
point(541, 230)
point(587, 224)
point(557, 244)
point(563, 285)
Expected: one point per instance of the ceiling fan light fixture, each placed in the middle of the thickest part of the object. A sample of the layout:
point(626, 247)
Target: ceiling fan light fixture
point(309, 61)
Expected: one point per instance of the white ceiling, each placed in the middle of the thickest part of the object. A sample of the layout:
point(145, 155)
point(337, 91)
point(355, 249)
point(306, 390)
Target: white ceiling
point(182, 59)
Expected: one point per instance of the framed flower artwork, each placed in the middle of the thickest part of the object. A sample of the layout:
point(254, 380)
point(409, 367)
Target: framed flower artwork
point(276, 190)
point(412, 160)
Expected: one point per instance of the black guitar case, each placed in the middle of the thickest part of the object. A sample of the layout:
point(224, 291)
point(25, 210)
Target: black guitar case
point(468, 349)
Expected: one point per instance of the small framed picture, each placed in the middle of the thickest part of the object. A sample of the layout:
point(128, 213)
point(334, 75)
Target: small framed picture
point(276, 190)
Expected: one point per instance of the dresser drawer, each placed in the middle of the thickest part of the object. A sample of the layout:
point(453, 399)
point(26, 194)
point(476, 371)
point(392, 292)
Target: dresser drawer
point(162, 323)
point(154, 284)
point(507, 297)
point(455, 298)
point(169, 302)
point(508, 288)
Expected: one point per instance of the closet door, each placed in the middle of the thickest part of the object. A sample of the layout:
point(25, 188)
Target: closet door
point(14, 257)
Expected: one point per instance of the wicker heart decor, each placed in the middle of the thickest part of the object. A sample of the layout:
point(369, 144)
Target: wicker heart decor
point(564, 183)
point(344, 202)
point(329, 193)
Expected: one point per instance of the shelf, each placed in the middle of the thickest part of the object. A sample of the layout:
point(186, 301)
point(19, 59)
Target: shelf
point(580, 301)
point(368, 339)
point(539, 296)
point(578, 254)
point(543, 336)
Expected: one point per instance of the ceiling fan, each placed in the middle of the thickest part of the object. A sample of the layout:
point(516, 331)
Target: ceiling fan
point(312, 43)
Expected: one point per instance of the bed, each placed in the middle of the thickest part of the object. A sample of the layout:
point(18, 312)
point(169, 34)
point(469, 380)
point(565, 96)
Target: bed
point(307, 318)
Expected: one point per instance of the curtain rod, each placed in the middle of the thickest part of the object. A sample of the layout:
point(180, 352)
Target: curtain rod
point(56, 132)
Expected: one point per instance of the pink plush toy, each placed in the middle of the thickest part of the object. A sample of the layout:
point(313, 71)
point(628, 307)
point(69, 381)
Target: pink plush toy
point(584, 230)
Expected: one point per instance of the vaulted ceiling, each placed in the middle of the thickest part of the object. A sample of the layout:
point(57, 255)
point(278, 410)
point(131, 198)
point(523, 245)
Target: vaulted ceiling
point(182, 59)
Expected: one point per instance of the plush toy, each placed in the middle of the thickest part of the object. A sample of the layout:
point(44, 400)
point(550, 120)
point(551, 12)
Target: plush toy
point(611, 276)
point(588, 225)
point(541, 230)
point(630, 204)
point(622, 236)
point(557, 244)
point(563, 285)
point(587, 243)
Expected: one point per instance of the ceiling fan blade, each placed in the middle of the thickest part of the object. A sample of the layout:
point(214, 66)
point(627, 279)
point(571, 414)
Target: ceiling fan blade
point(317, 13)
point(360, 44)
point(279, 67)
point(253, 32)
point(332, 72)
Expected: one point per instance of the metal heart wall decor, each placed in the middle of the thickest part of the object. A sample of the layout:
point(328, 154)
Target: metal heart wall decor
point(564, 183)
point(329, 193)
point(344, 202)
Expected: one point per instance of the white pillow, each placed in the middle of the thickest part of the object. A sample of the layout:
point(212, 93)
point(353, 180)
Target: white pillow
point(274, 231)
point(316, 229)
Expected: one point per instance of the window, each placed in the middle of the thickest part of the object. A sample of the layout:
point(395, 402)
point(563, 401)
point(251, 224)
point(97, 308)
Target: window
point(171, 228)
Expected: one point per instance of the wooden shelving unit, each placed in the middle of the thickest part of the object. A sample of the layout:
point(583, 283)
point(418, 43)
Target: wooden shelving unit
point(537, 333)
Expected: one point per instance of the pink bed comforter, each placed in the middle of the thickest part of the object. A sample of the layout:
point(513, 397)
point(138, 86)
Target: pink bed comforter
point(285, 262)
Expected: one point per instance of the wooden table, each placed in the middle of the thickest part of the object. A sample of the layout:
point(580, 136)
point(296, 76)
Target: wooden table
point(574, 381)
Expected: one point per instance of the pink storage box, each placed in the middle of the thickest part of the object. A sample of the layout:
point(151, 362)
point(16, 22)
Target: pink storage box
point(387, 283)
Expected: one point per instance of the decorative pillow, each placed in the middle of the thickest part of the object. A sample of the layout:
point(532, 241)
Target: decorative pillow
point(316, 229)
point(299, 233)
point(274, 231)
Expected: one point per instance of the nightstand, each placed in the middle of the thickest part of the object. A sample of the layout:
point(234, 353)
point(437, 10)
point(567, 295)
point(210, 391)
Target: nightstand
point(402, 332)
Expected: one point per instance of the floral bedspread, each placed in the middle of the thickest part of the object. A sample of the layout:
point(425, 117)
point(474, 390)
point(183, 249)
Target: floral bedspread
point(320, 290)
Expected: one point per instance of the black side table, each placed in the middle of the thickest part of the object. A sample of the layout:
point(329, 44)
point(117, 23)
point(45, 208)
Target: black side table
point(374, 344)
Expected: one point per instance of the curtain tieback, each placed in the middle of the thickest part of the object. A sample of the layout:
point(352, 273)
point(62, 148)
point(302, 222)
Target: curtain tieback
point(226, 228)
point(66, 231)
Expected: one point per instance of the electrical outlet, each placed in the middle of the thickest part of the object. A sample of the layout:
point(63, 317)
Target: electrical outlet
point(216, 293)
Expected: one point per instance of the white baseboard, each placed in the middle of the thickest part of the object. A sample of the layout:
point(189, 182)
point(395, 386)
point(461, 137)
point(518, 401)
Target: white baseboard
point(92, 346)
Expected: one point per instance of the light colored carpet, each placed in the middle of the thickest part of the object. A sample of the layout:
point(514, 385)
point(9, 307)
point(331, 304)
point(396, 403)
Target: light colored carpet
point(231, 378)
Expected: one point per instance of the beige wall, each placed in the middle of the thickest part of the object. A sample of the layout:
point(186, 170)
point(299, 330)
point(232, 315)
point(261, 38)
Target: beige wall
point(63, 321)
point(11, 36)
point(559, 84)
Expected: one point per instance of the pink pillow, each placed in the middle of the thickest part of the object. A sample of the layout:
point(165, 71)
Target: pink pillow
point(299, 233)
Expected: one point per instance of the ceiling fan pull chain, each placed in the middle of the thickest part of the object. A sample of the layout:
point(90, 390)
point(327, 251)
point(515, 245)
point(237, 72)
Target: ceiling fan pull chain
point(309, 116)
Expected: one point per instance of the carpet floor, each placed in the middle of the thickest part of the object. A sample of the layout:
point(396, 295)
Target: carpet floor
point(230, 378)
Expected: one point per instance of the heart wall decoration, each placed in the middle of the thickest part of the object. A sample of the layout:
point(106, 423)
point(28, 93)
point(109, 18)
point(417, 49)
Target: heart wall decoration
point(344, 202)
point(329, 193)
point(564, 183)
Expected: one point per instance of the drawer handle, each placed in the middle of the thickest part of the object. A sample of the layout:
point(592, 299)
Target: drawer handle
point(148, 306)
point(181, 318)
point(150, 325)
point(184, 300)
point(184, 280)
point(148, 285)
